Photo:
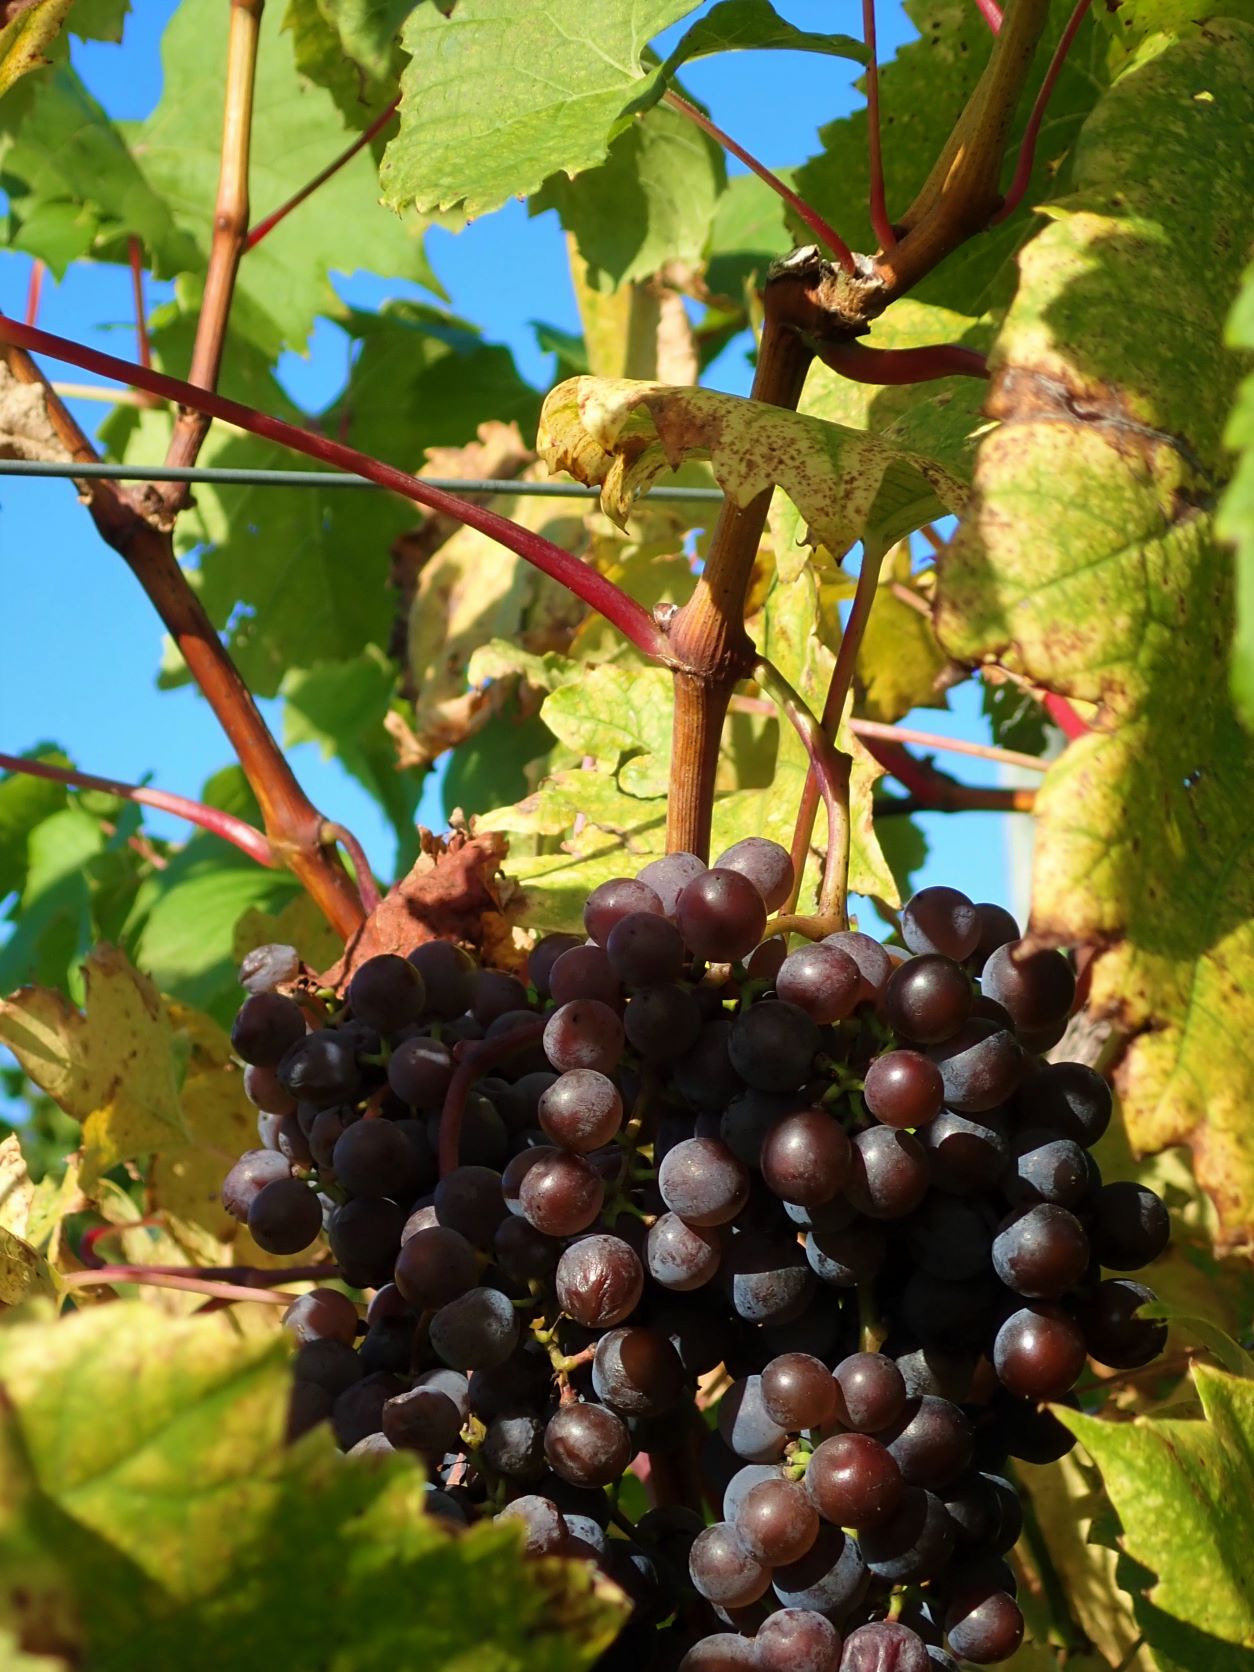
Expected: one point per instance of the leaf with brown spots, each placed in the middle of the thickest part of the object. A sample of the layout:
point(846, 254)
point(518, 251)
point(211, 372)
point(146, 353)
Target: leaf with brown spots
point(1089, 563)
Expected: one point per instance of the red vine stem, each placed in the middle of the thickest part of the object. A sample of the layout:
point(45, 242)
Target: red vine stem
point(955, 745)
point(34, 290)
point(1063, 715)
point(933, 791)
point(142, 347)
point(478, 1058)
point(829, 772)
point(154, 1277)
point(634, 622)
point(1027, 149)
point(244, 836)
point(901, 365)
point(364, 877)
point(880, 222)
point(818, 226)
point(346, 156)
point(991, 13)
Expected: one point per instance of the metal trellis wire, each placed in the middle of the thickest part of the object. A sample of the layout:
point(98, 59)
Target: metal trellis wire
point(211, 476)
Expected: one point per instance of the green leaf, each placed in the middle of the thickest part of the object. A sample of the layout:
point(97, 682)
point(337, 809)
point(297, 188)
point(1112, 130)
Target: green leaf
point(1182, 1492)
point(754, 25)
point(24, 803)
point(352, 48)
point(1234, 1359)
point(622, 434)
point(54, 925)
point(1235, 522)
point(747, 235)
point(652, 201)
point(151, 1515)
point(285, 281)
point(1088, 562)
point(496, 97)
point(612, 713)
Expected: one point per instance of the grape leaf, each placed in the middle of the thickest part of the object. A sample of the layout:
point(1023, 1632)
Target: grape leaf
point(1236, 511)
point(622, 434)
point(352, 48)
point(24, 803)
point(110, 1065)
point(54, 927)
point(23, 1271)
point(650, 202)
point(755, 25)
point(179, 1530)
point(900, 666)
point(1181, 1490)
point(613, 712)
point(1088, 562)
point(26, 37)
point(299, 923)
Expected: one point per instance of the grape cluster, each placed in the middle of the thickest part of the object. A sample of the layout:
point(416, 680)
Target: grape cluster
point(836, 1192)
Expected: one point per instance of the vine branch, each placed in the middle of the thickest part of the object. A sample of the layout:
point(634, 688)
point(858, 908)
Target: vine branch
point(1027, 149)
point(240, 834)
point(475, 1061)
point(861, 364)
point(990, 11)
point(881, 224)
point(266, 226)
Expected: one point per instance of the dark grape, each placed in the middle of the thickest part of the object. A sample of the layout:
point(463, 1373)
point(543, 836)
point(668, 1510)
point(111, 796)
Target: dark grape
point(513, 1445)
point(585, 972)
point(889, 1173)
point(870, 1392)
point(543, 1526)
point(928, 999)
point(284, 1216)
point(1130, 1226)
point(997, 928)
point(1047, 1168)
point(469, 1200)
point(365, 1237)
point(611, 901)
point(931, 1442)
point(767, 1278)
point(1041, 1251)
point(871, 958)
point(681, 1256)
point(523, 1253)
point(847, 1257)
point(945, 1373)
point(703, 1182)
point(704, 1076)
point(1113, 1333)
point(308, 1405)
point(448, 978)
point(821, 980)
point(772, 1045)
point(328, 1364)
point(584, 1034)
point(830, 1579)
point(854, 1481)
point(1036, 987)
point(587, 1445)
point(516, 1170)
point(544, 955)
point(983, 1626)
point(914, 1543)
point(776, 1522)
point(581, 1110)
point(662, 1023)
point(599, 1281)
point(434, 1267)
point(322, 1315)
point(386, 992)
point(267, 967)
point(476, 1331)
point(751, 1117)
point(670, 875)
point(251, 1173)
point(903, 1088)
point(450, 1382)
point(948, 1315)
point(637, 1372)
point(797, 1640)
point(798, 1392)
point(980, 1065)
point(496, 994)
point(986, 1510)
point(968, 1154)
point(941, 920)
point(721, 916)
point(723, 1651)
point(767, 865)
point(419, 1071)
point(767, 959)
point(322, 1068)
point(266, 1028)
point(1039, 1352)
point(951, 1237)
point(424, 1420)
point(885, 1646)
point(358, 1411)
point(806, 1158)
point(373, 1158)
point(1067, 1097)
point(561, 1194)
point(745, 1425)
point(265, 1091)
point(645, 950)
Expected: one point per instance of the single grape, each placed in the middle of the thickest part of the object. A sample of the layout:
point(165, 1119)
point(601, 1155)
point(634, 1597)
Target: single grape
point(645, 950)
point(721, 916)
point(983, 1626)
point(773, 1045)
point(265, 1091)
point(722, 1651)
point(1113, 1333)
point(767, 865)
point(447, 977)
point(766, 1276)
point(1130, 1226)
point(266, 1028)
point(943, 1372)
point(821, 980)
point(997, 928)
point(915, 1543)
point(663, 1022)
point(704, 1076)
point(1047, 1168)
point(980, 1065)
point(1036, 987)
point(745, 1425)
point(523, 1253)
point(927, 999)
point(544, 955)
point(1067, 1097)
point(1039, 1352)
point(611, 901)
point(846, 1257)
point(365, 1237)
point(931, 1441)
point(373, 1158)
point(670, 875)
point(543, 1525)
point(516, 1170)
point(328, 1364)
point(751, 1117)
point(322, 1315)
point(419, 1071)
point(308, 1405)
point(476, 1331)
point(885, 1646)
point(495, 994)
point(358, 1411)
point(585, 972)
point(386, 992)
point(513, 1445)
point(903, 1088)
point(434, 1267)
point(797, 1640)
point(830, 1579)
point(776, 1522)
point(681, 1256)
point(469, 1200)
point(587, 1445)
point(870, 1392)
point(951, 1237)
point(637, 1372)
point(581, 1110)
point(268, 967)
point(584, 1034)
point(284, 1216)
point(889, 1172)
point(1040, 1251)
point(941, 920)
point(950, 1316)
point(561, 1194)
point(806, 1158)
point(767, 959)
point(251, 1173)
point(871, 958)
point(798, 1392)
point(423, 1420)
point(322, 1068)
point(853, 1481)
point(599, 1281)
point(703, 1182)
point(968, 1153)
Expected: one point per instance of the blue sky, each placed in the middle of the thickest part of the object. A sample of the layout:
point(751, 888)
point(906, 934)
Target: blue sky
point(82, 646)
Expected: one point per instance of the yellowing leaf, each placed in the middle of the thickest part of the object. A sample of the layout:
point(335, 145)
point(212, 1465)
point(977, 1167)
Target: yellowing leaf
point(299, 923)
point(110, 1065)
point(24, 39)
point(23, 1271)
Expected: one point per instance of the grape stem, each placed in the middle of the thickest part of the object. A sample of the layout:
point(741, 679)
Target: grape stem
point(829, 771)
point(34, 290)
point(266, 226)
point(892, 366)
point(1027, 149)
point(881, 225)
point(476, 1059)
point(363, 876)
point(990, 11)
point(155, 1277)
point(143, 349)
point(244, 836)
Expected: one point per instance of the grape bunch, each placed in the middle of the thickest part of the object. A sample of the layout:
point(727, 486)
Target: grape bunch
point(835, 1194)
